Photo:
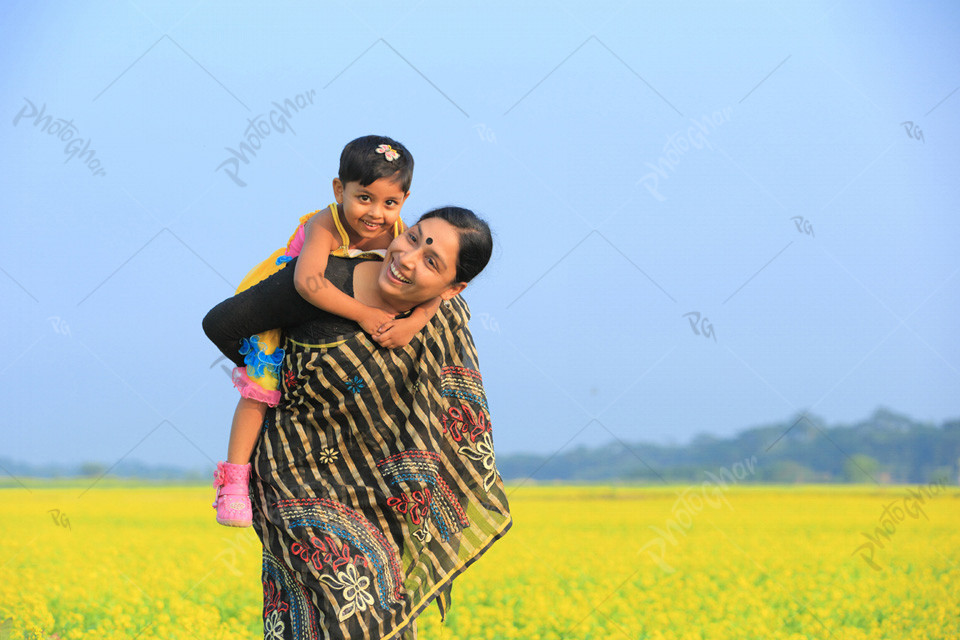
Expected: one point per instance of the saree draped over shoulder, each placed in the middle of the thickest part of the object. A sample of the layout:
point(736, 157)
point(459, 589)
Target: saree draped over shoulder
point(374, 482)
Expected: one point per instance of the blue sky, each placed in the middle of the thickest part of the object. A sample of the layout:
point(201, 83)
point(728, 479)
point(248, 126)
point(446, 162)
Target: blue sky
point(709, 216)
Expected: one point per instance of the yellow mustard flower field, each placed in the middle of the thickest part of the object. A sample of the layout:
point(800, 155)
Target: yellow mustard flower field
point(118, 561)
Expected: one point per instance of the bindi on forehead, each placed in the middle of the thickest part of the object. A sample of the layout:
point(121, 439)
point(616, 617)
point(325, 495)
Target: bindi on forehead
point(429, 241)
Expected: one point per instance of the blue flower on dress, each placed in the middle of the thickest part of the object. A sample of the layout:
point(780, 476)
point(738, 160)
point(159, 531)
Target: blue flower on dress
point(355, 384)
point(284, 259)
point(256, 358)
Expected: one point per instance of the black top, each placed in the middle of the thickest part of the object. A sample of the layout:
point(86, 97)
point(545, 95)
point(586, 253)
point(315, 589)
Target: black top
point(274, 303)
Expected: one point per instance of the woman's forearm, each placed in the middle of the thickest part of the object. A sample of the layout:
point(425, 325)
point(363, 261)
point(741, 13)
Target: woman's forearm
point(272, 303)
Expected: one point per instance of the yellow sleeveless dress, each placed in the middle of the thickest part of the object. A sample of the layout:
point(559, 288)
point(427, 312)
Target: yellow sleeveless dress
point(259, 379)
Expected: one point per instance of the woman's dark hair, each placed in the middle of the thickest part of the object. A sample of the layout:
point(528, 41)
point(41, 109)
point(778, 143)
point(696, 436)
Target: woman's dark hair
point(360, 162)
point(476, 243)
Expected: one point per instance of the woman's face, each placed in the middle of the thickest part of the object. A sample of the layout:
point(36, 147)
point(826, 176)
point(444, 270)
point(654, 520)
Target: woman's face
point(421, 264)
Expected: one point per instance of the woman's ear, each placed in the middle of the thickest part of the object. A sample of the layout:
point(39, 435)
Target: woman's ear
point(338, 190)
point(453, 290)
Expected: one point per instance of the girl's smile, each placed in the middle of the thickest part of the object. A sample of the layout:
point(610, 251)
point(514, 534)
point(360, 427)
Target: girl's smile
point(371, 209)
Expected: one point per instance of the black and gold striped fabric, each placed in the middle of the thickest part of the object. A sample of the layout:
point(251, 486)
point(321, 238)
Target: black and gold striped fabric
point(374, 482)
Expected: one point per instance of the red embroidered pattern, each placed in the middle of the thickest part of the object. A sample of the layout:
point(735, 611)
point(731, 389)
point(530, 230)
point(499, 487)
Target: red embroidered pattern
point(330, 553)
point(462, 383)
point(406, 455)
point(457, 422)
point(438, 499)
point(344, 522)
point(417, 504)
point(297, 606)
point(461, 371)
point(271, 599)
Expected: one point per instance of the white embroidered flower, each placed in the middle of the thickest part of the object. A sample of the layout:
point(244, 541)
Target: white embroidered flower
point(483, 454)
point(273, 626)
point(354, 588)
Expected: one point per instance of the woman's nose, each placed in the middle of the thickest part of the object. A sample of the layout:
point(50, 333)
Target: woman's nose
point(407, 258)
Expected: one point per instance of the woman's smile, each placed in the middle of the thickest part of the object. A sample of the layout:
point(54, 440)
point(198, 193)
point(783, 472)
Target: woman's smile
point(396, 275)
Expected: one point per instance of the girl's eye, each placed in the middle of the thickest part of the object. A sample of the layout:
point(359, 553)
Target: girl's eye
point(432, 264)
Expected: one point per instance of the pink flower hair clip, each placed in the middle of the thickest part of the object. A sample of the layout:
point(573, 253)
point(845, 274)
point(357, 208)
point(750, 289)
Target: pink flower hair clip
point(389, 153)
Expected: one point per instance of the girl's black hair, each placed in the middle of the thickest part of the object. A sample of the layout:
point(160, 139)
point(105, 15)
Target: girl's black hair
point(360, 162)
point(476, 243)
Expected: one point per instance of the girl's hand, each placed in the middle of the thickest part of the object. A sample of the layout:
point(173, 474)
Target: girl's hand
point(373, 319)
point(396, 333)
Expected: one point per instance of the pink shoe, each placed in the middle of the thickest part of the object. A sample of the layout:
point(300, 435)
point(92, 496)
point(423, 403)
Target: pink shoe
point(233, 494)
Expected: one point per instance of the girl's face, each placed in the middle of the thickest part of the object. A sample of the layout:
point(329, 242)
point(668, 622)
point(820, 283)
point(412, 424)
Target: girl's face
point(371, 210)
point(421, 264)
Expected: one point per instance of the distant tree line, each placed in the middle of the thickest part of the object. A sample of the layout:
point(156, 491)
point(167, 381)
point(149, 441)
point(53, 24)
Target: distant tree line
point(886, 448)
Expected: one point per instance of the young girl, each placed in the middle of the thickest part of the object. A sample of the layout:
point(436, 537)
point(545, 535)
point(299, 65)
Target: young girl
point(371, 187)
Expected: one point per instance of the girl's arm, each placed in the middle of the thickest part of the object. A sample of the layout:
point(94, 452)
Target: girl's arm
point(272, 303)
point(319, 241)
point(399, 333)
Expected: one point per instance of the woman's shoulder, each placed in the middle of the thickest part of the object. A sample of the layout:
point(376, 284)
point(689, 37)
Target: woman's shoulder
point(340, 272)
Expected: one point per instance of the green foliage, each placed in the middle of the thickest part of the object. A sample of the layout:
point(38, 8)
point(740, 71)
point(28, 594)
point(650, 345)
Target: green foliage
point(885, 448)
point(860, 468)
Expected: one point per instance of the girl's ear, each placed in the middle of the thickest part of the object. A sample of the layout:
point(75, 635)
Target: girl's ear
point(338, 190)
point(453, 290)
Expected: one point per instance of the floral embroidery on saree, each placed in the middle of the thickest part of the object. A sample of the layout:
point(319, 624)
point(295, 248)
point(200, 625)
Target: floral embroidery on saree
point(375, 482)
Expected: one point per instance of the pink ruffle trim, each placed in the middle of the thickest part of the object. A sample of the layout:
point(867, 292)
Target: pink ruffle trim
point(250, 389)
point(295, 246)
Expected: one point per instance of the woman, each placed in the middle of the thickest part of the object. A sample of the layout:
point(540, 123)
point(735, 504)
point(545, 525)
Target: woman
point(374, 479)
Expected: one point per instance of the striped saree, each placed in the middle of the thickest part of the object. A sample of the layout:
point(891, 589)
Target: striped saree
point(374, 482)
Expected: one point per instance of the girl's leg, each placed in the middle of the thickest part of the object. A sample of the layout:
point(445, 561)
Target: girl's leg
point(233, 476)
point(247, 421)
